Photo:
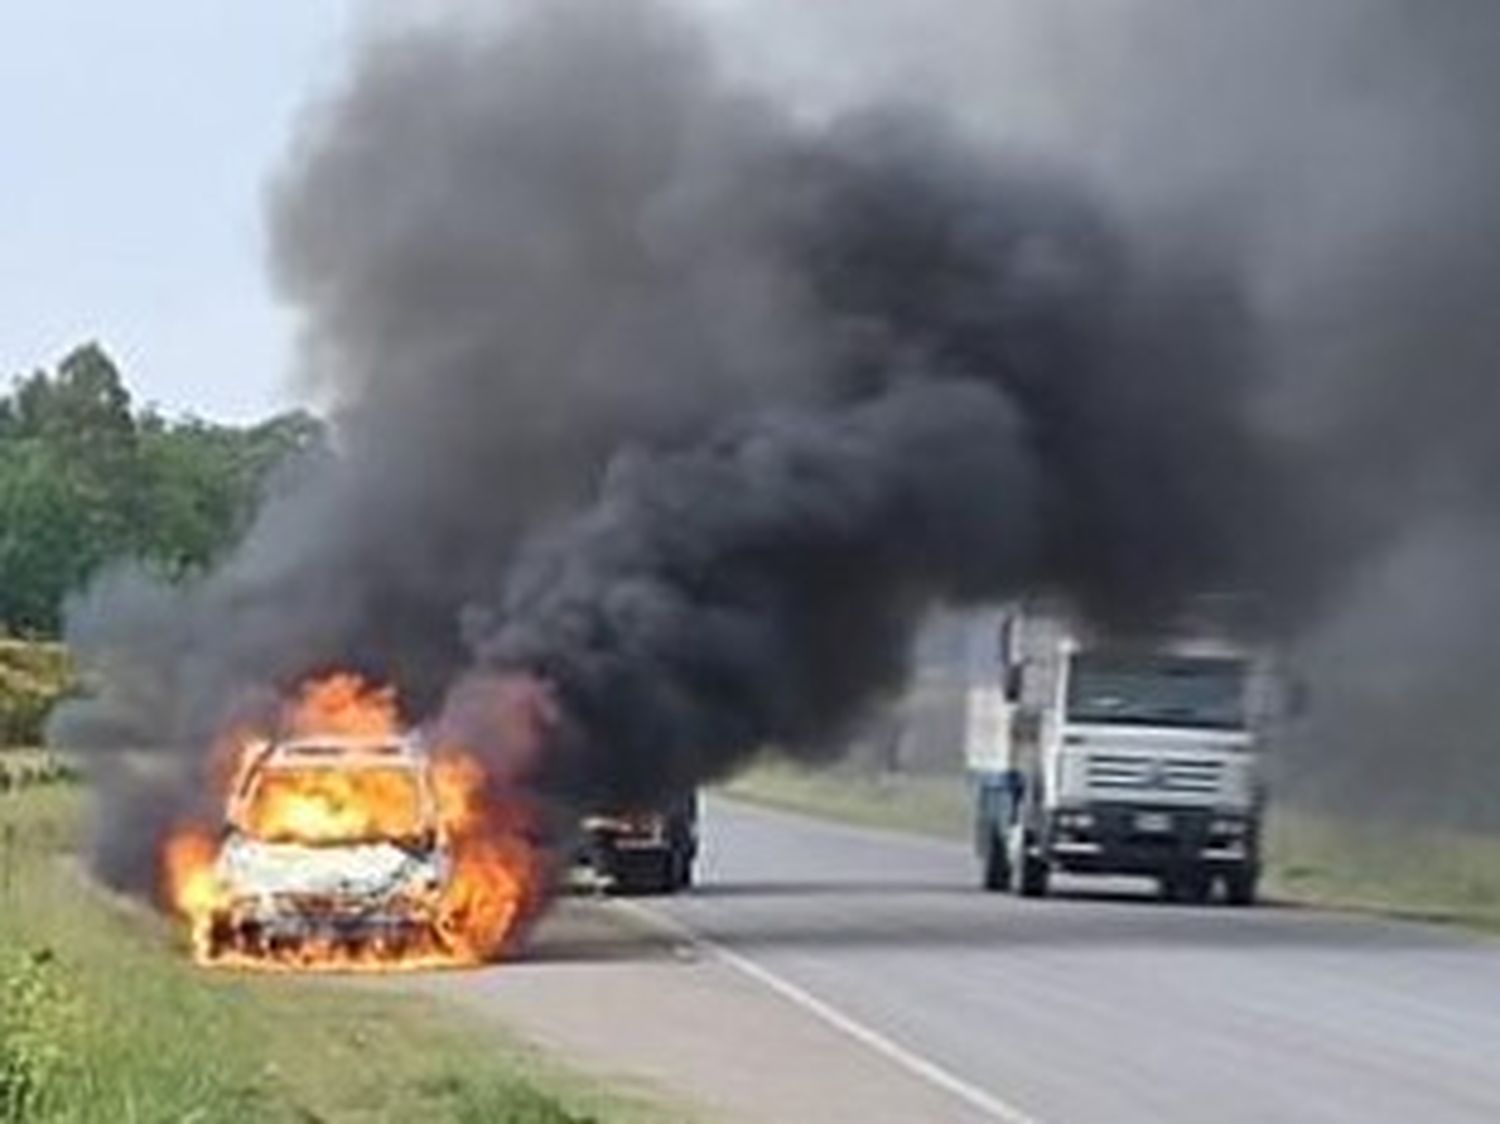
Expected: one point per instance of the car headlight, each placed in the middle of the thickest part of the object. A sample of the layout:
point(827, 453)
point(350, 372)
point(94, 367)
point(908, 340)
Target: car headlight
point(1231, 826)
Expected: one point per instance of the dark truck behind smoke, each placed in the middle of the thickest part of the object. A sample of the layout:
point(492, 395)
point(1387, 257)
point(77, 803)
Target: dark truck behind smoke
point(644, 851)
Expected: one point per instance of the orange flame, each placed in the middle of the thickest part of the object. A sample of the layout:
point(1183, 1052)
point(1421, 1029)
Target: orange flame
point(495, 870)
point(343, 704)
point(322, 805)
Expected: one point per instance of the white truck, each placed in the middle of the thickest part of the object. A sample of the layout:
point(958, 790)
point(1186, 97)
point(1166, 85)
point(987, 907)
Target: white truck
point(1093, 756)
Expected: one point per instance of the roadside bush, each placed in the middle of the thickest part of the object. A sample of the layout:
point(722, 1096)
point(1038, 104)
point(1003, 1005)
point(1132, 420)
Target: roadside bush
point(35, 1016)
point(29, 770)
point(33, 677)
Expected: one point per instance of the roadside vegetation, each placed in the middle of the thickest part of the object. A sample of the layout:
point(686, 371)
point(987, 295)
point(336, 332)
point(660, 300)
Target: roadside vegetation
point(1312, 858)
point(33, 676)
point(88, 478)
point(103, 1020)
point(1379, 866)
point(926, 804)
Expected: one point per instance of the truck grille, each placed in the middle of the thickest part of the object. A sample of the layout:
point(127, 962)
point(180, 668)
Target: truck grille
point(1122, 772)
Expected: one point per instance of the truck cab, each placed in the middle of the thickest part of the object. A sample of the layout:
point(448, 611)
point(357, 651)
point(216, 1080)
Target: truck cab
point(1097, 757)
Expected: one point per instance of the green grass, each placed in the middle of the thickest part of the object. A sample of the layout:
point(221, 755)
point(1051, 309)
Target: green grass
point(1427, 873)
point(1315, 859)
point(103, 1021)
point(925, 805)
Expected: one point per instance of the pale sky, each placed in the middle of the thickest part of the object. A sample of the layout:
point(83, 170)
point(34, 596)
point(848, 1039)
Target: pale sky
point(135, 144)
point(135, 140)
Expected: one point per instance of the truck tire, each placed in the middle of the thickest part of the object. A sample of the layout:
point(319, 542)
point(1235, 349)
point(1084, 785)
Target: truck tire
point(682, 871)
point(1190, 887)
point(1034, 878)
point(1029, 872)
point(1240, 885)
point(996, 864)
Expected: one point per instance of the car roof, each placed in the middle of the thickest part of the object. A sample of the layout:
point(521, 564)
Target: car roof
point(344, 751)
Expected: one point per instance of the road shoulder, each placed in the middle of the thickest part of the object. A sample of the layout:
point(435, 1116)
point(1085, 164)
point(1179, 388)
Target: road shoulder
point(627, 998)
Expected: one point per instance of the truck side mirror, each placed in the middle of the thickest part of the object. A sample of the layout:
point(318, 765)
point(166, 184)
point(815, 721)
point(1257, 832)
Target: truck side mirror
point(1012, 684)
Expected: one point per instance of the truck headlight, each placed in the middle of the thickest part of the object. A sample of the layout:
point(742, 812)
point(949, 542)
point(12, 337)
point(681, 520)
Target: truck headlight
point(1231, 826)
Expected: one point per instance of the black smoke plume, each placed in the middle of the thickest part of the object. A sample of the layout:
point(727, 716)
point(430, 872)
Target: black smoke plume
point(691, 406)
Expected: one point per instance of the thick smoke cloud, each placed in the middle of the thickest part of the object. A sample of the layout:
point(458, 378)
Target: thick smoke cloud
point(693, 405)
point(1020, 398)
point(1345, 151)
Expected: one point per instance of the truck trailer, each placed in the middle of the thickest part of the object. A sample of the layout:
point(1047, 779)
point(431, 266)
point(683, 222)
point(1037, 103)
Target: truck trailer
point(1098, 756)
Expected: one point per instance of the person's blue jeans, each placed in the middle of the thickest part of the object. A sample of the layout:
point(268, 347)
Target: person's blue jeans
point(998, 802)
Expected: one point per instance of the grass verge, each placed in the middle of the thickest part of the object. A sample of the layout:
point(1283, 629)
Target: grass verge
point(1314, 859)
point(925, 805)
point(1401, 870)
point(102, 1020)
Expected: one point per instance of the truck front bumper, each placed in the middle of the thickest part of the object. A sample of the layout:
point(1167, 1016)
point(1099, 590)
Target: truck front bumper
point(1119, 839)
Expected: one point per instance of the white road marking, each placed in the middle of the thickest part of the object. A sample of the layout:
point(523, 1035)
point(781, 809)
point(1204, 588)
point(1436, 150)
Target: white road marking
point(975, 1097)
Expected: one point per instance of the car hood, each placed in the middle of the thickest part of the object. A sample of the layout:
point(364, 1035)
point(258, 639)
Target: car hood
point(248, 866)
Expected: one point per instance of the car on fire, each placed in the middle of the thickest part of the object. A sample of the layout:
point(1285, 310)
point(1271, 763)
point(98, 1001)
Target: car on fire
point(333, 840)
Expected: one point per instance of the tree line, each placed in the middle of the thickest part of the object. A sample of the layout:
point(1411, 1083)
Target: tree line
point(87, 478)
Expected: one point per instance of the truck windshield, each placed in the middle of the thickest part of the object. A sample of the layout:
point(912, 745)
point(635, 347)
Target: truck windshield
point(325, 805)
point(1146, 690)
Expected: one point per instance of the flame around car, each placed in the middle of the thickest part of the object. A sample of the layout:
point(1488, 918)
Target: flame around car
point(345, 843)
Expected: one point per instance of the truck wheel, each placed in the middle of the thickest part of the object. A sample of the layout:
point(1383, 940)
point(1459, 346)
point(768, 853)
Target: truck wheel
point(682, 870)
point(1191, 887)
point(1029, 872)
point(1034, 877)
point(996, 864)
point(1240, 885)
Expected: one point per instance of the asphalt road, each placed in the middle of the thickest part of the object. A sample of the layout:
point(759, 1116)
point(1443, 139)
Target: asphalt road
point(833, 973)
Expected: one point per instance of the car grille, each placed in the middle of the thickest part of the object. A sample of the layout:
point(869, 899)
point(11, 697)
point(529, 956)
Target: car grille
point(1129, 773)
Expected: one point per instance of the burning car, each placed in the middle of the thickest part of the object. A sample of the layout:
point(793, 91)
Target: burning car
point(347, 842)
point(331, 840)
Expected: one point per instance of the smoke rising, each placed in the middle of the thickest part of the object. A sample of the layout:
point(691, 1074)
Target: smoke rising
point(1019, 398)
point(692, 404)
point(1344, 151)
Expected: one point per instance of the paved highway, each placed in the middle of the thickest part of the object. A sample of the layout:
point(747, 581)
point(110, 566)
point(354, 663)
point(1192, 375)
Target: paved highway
point(827, 972)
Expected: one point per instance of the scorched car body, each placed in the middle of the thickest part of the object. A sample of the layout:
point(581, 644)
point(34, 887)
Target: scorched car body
point(330, 840)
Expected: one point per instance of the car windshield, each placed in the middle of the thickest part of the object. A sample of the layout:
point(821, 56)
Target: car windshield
point(1157, 690)
point(328, 805)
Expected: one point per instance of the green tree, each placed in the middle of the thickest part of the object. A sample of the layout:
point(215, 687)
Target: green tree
point(201, 483)
point(53, 535)
point(85, 479)
point(86, 402)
